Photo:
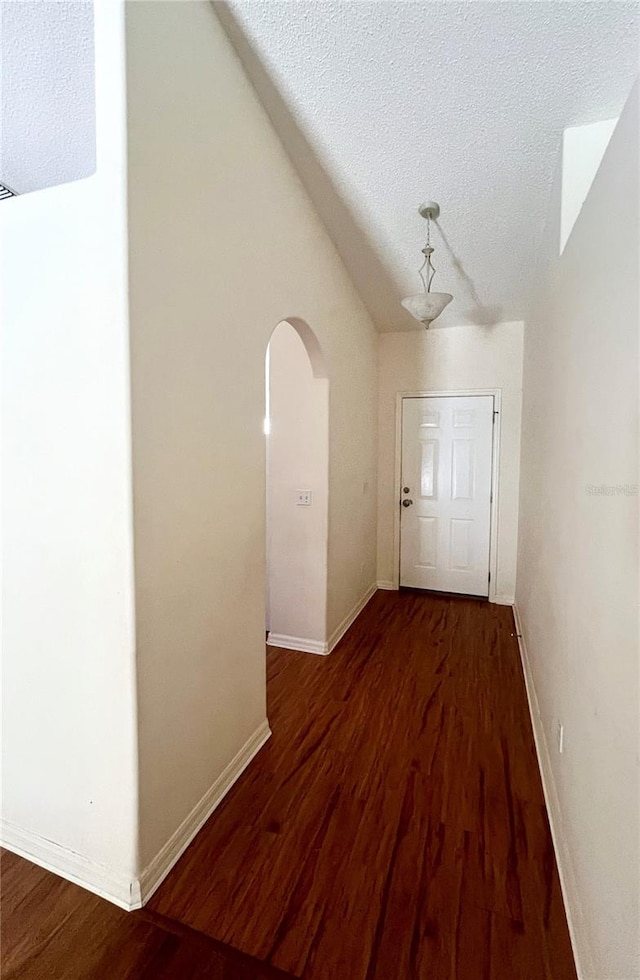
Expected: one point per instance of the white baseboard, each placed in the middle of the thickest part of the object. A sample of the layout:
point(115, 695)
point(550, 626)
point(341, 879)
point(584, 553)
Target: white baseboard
point(500, 600)
point(300, 643)
point(568, 882)
point(126, 892)
point(350, 618)
point(157, 870)
point(304, 645)
point(121, 889)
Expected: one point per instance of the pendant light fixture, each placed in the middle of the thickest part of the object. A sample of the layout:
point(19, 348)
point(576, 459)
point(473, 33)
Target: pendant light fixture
point(426, 306)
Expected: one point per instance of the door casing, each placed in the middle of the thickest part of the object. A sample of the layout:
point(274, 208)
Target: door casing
point(495, 476)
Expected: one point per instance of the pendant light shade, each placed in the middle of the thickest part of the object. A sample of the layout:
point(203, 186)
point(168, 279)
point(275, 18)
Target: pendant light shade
point(425, 307)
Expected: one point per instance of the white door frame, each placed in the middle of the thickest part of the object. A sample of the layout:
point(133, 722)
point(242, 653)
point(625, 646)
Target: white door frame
point(495, 477)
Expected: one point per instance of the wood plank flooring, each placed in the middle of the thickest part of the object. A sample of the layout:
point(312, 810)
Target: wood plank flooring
point(51, 929)
point(393, 828)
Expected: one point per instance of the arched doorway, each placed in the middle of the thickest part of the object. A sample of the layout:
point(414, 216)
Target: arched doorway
point(297, 483)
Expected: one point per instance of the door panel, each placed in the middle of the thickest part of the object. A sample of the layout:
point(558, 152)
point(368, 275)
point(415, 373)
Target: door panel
point(428, 532)
point(446, 466)
point(428, 469)
point(460, 544)
point(462, 470)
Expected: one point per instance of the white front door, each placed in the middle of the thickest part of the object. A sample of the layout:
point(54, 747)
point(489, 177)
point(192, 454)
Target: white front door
point(445, 493)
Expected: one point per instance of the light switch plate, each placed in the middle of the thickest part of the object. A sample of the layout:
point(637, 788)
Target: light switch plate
point(303, 498)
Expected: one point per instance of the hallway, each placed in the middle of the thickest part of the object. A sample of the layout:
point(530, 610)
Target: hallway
point(394, 827)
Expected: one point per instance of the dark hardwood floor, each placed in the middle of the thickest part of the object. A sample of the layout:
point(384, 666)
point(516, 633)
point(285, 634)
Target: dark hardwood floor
point(393, 828)
point(51, 929)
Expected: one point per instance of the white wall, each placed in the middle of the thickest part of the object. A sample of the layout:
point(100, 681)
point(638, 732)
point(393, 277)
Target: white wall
point(577, 592)
point(297, 459)
point(452, 359)
point(47, 110)
point(69, 742)
point(224, 245)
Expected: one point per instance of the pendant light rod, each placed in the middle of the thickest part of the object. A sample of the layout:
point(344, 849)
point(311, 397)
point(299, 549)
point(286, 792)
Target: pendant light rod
point(426, 306)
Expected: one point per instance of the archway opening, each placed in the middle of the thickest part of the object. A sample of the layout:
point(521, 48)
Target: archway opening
point(297, 488)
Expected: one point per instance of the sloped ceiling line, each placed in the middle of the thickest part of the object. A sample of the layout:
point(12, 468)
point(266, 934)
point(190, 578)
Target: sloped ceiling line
point(383, 105)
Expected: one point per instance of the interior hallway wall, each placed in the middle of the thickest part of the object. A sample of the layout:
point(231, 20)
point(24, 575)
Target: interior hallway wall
point(577, 591)
point(452, 359)
point(224, 244)
point(69, 783)
point(297, 459)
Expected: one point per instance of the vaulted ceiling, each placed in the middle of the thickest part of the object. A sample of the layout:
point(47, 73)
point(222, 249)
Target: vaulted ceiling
point(383, 105)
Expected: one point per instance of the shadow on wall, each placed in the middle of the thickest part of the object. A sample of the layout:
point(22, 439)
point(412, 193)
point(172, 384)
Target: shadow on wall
point(311, 345)
point(478, 313)
point(373, 281)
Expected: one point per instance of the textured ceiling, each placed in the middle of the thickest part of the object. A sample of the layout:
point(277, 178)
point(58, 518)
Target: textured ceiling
point(383, 105)
point(47, 116)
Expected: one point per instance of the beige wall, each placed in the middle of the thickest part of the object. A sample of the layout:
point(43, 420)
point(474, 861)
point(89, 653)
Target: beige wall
point(224, 245)
point(452, 359)
point(297, 458)
point(577, 593)
point(69, 793)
